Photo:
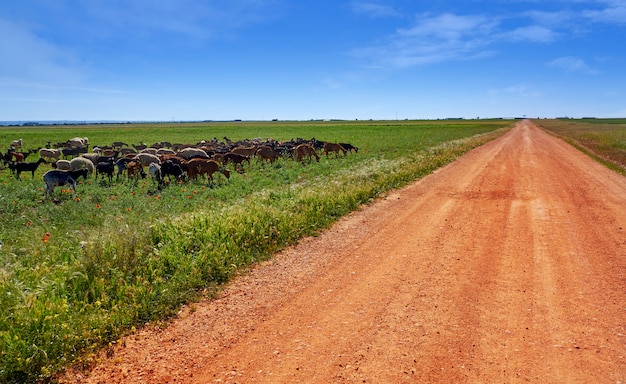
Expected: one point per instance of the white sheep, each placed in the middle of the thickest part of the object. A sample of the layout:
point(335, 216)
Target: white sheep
point(63, 165)
point(82, 163)
point(146, 159)
point(189, 153)
point(50, 153)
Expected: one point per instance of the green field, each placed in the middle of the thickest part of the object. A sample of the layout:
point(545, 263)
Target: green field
point(602, 139)
point(78, 273)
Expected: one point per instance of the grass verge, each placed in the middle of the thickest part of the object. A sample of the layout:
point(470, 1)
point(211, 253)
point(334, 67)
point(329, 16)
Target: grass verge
point(77, 289)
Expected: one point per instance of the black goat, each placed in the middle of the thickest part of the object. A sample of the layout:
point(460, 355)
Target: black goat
point(58, 178)
point(107, 168)
point(26, 167)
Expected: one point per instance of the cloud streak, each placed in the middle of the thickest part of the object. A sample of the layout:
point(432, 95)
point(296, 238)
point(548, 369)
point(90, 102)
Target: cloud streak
point(435, 38)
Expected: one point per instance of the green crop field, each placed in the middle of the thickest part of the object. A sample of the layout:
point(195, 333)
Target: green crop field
point(79, 271)
point(602, 139)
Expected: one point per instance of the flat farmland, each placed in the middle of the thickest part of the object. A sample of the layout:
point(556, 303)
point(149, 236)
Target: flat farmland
point(507, 265)
point(79, 271)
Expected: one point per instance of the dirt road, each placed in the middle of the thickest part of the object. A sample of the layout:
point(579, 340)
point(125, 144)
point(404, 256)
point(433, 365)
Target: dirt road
point(506, 266)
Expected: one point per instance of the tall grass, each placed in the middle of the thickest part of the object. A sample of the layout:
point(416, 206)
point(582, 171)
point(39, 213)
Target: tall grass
point(602, 139)
point(76, 275)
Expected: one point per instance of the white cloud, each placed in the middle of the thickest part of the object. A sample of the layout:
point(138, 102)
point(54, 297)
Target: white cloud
point(28, 56)
point(572, 64)
point(614, 13)
point(533, 33)
point(375, 10)
point(435, 39)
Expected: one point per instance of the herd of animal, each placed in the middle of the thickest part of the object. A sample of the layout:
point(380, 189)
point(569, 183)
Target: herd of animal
point(164, 160)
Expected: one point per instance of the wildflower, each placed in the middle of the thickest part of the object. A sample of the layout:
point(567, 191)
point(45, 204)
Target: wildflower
point(63, 191)
point(133, 193)
point(98, 206)
point(158, 197)
point(189, 197)
point(195, 192)
point(46, 237)
point(69, 191)
point(28, 223)
point(128, 209)
point(117, 219)
point(78, 199)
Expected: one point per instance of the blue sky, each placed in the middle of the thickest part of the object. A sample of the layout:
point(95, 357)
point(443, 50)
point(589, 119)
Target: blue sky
point(298, 59)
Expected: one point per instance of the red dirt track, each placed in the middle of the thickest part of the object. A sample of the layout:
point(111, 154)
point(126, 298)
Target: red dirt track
point(508, 265)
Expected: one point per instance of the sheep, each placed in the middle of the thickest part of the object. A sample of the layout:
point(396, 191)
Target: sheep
point(93, 156)
point(192, 153)
point(58, 178)
point(150, 150)
point(82, 163)
point(165, 151)
point(26, 167)
point(76, 142)
point(17, 143)
point(146, 159)
point(50, 153)
point(62, 165)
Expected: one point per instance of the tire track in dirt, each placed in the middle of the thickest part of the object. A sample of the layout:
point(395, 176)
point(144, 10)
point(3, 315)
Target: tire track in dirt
point(508, 265)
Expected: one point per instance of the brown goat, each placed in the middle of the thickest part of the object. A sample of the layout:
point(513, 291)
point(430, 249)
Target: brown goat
point(305, 150)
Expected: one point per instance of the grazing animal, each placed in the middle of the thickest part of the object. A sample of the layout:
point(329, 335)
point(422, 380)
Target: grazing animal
point(236, 158)
point(169, 169)
point(146, 159)
point(192, 153)
point(74, 151)
point(76, 142)
point(150, 150)
point(105, 168)
point(17, 143)
point(140, 146)
point(245, 151)
point(62, 165)
point(332, 147)
point(19, 157)
point(57, 178)
point(349, 147)
point(134, 170)
point(305, 150)
point(82, 163)
point(196, 167)
point(50, 153)
point(26, 167)
point(265, 153)
point(155, 172)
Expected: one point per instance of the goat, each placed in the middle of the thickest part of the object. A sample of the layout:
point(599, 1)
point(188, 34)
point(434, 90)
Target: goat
point(26, 167)
point(332, 147)
point(169, 169)
point(105, 168)
point(305, 150)
point(266, 153)
point(349, 147)
point(17, 143)
point(197, 167)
